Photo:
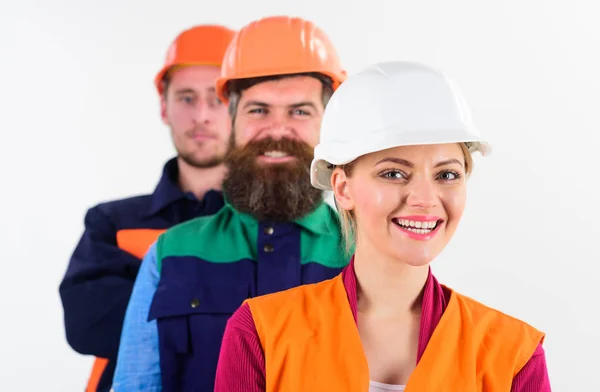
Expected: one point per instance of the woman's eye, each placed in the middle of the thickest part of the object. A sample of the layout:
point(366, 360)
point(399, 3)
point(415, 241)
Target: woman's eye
point(448, 176)
point(393, 175)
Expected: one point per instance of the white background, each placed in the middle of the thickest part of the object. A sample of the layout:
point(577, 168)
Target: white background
point(80, 124)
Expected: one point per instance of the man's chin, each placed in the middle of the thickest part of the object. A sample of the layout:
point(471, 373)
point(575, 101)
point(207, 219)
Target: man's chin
point(203, 162)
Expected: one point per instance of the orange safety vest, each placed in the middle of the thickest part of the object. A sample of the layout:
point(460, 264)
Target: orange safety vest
point(137, 242)
point(311, 343)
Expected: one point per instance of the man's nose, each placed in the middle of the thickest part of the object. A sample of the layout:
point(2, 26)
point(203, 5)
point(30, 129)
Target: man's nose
point(279, 128)
point(202, 112)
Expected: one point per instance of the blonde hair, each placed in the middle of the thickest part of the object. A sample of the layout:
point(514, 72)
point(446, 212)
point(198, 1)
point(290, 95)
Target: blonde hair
point(347, 218)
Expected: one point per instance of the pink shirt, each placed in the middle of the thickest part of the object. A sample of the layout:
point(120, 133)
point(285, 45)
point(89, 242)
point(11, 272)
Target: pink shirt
point(241, 365)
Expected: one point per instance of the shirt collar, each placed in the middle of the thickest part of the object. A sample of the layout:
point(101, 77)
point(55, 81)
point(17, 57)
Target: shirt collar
point(322, 221)
point(168, 191)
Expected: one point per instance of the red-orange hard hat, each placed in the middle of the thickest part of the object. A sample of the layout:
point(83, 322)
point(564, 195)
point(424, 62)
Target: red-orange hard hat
point(279, 45)
point(199, 45)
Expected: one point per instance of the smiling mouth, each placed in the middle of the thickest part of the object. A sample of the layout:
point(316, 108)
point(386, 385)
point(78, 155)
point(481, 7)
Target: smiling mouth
point(275, 154)
point(417, 227)
point(275, 157)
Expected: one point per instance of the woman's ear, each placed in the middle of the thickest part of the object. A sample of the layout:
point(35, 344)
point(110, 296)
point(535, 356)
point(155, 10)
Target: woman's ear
point(341, 189)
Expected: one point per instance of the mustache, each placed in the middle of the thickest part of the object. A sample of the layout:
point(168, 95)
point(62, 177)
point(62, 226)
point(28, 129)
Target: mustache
point(288, 146)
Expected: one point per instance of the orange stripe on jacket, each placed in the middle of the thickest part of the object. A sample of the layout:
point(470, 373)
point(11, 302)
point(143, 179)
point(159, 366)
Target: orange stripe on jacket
point(97, 370)
point(137, 242)
point(311, 342)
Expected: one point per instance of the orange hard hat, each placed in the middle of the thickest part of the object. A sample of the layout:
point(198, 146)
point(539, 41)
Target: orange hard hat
point(199, 45)
point(279, 45)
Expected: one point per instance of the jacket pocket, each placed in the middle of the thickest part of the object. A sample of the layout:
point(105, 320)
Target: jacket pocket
point(194, 308)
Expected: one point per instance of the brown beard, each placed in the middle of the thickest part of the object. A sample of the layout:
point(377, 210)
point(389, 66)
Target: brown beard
point(273, 192)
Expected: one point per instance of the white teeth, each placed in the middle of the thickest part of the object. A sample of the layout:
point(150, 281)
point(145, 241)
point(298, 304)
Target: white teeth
point(419, 231)
point(420, 227)
point(275, 154)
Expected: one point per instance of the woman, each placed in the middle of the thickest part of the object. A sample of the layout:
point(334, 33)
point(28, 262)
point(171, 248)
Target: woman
point(396, 145)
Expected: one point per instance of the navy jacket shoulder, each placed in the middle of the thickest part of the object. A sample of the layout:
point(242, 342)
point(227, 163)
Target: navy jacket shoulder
point(102, 270)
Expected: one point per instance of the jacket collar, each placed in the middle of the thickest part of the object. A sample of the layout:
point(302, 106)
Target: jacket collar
point(168, 191)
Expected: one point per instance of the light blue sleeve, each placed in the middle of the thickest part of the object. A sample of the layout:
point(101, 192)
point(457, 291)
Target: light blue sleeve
point(138, 362)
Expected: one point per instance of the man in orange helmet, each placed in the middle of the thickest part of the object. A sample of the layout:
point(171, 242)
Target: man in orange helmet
point(275, 231)
point(104, 265)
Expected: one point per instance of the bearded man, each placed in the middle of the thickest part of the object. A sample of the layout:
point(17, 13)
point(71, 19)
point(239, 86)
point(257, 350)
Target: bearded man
point(275, 231)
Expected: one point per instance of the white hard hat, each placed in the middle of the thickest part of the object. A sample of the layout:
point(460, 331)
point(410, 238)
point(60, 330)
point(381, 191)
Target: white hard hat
point(388, 105)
